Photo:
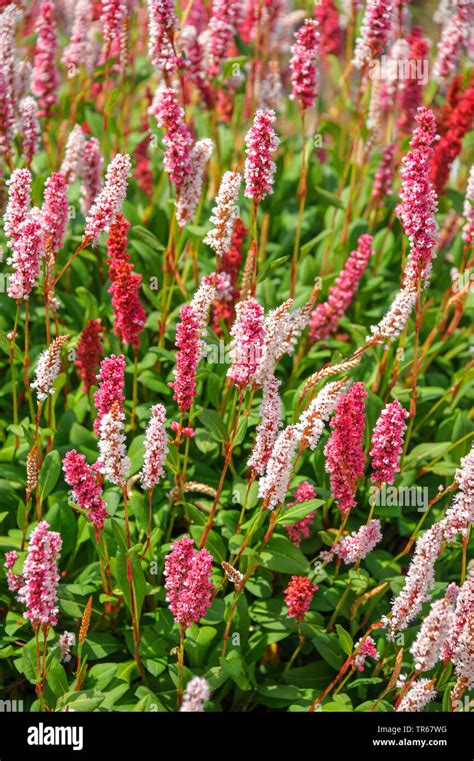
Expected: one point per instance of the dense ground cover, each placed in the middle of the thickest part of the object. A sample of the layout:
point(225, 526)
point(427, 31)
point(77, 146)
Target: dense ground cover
point(237, 358)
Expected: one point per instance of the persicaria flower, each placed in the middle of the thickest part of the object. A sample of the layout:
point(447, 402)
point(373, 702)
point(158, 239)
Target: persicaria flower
point(54, 212)
point(247, 339)
point(130, 317)
point(41, 576)
point(86, 490)
point(7, 116)
point(162, 21)
point(224, 214)
point(112, 14)
point(298, 596)
point(191, 190)
point(113, 462)
point(156, 448)
point(383, 179)
point(110, 200)
point(14, 580)
point(418, 696)
point(312, 420)
point(344, 450)
point(48, 368)
point(19, 199)
point(300, 529)
point(303, 63)
point(419, 581)
point(418, 199)
point(261, 141)
point(325, 318)
point(72, 163)
point(89, 352)
point(374, 32)
point(387, 442)
point(188, 585)
point(427, 648)
point(178, 139)
point(267, 429)
point(195, 695)
point(458, 121)
point(77, 53)
point(66, 641)
point(357, 546)
point(392, 324)
point(111, 386)
point(327, 16)
point(366, 648)
point(27, 253)
point(273, 486)
point(454, 40)
point(29, 127)
point(460, 514)
point(92, 163)
point(45, 80)
point(187, 358)
point(221, 29)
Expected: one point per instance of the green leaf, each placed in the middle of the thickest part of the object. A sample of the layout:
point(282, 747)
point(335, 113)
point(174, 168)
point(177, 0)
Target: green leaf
point(297, 512)
point(331, 198)
point(49, 473)
point(281, 555)
point(214, 424)
point(345, 639)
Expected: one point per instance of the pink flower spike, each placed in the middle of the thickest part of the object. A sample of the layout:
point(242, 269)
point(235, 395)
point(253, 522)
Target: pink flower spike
point(55, 212)
point(273, 486)
point(387, 442)
point(86, 491)
point(344, 450)
point(27, 253)
point(48, 368)
point(261, 141)
point(78, 51)
point(162, 21)
point(113, 462)
point(18, 206)
point(358, 545)
point(298, 596)
point(111, 386)
point(427, 648)
point(197, 692)
point(187, 358)
point(92, 164)
point(29, 127)
point(325, 318)
point(366, 649)
point(14, 580)
point(188, 585)
point(374, 32)
point(267, 429)
point(110, 200)
point(300, 530)
point(7, 117)
point(418, 696)
point(45, 82)
point(41, 576)
point(221, 29)
point(418, 199)
point(304, 76)
point(156, 448)
point(247, 340)
point(178, 139)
